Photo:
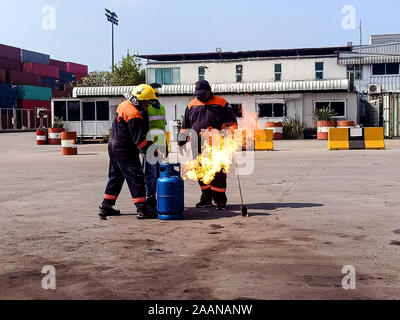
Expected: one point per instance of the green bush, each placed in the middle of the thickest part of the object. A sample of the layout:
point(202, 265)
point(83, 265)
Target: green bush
point(324, 114)
point(58, 123)
point(293, 127)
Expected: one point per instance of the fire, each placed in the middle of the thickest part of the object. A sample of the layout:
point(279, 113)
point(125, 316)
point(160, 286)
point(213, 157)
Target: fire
point(219, 148)
point(217, 155)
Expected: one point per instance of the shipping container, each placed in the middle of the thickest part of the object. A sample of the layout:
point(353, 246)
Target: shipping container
point(8, 90)
point(66, 93)
point(79, 77)
point(42, 70)
point(66, 77)
point(77, 68)
point(18, 77)
point(10, 64)
point(33, 104)
point(35, 57)
point(50, 83)
point(3, 77)
point(10, 53)
point(8, 102)
point(34, 93)
point(62, 66)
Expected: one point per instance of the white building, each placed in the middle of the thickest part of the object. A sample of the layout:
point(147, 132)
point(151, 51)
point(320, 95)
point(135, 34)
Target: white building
point(275, 84)
point(374, 68)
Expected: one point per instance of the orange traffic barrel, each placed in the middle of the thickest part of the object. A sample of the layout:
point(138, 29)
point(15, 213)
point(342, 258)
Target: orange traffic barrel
point(323, 129)
point(277, 127)
point(68, 144)
point(55, 135)
point(346, 124)
point(41, 137)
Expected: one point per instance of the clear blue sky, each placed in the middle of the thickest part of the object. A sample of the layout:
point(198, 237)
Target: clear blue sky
point(83, 34)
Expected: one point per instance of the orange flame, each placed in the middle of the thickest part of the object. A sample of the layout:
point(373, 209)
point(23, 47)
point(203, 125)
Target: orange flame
point(219, 148)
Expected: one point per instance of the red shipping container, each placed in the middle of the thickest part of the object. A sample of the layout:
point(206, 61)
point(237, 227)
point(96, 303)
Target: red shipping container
point(79, 77)
point(10, 64)
point(62, 66)
point(17, 77)
point(33, 104)
point(10, 53)
point(3, 75)
point(77, 68)
point(42, 70)
point(62, 93)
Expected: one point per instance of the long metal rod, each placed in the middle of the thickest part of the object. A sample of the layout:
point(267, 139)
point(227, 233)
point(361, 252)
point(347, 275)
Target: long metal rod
point(238, 178)
point(112, 45)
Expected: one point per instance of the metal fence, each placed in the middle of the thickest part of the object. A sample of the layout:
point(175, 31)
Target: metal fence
point(22, 119)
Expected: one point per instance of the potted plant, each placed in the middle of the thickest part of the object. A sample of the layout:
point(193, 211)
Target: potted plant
point(324, 116)
point(55, 131)
point(293, 128)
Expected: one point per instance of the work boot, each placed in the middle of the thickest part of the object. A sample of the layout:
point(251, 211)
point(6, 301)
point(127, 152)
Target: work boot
point(146, 215)
point(221, 207)
point(152, 203)
point(204, 204)
point(108, 212)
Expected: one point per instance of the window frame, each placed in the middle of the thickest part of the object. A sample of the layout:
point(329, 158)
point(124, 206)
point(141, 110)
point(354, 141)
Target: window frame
point(175, 75)
point(273, 110)
point(239, 75)
point(330, 105)
point(356, 70)
point(319, 72)
point(385, 72)
point(278, 72)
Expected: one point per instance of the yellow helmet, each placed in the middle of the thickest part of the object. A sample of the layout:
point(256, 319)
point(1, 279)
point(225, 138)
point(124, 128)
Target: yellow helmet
point(144, 92)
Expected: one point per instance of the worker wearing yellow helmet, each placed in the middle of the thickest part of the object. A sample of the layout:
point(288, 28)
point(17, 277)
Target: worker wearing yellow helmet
point(127, 140)
point(155, 117)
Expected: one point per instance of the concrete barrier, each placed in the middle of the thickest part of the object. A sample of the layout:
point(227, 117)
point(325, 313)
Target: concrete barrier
point(338, 139)
point(374, 138)
point(264, 140)
point(356, 139)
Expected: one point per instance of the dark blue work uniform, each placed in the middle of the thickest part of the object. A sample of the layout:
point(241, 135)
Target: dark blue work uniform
point(216, 113)
point(128, 138)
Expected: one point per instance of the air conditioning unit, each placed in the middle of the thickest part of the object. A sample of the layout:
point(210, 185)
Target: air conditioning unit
point(374, 89)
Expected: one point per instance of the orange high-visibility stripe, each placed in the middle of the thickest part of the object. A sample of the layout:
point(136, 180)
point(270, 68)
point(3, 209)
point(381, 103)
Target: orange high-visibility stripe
point(143, 144)
point(205, 187)
point(218, 189)
point(110, 197)
point(139, 200)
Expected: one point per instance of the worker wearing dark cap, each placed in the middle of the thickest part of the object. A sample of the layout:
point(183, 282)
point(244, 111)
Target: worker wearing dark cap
point(205, 112)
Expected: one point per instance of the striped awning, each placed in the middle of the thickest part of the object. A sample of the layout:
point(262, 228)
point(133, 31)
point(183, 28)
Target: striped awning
point(273, 87)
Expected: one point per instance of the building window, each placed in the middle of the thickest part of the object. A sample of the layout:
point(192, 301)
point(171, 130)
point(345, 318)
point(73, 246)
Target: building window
point(89, 111)
point(164, 76)
point(383, 69)
point(338, 106)
point(238, 109)
point(272, 110)
point(319, 70)
point(354, 71)
point(102, 111)
point(278, 72)
point(60, 109)
point(202, 73)
point(239, 73)
point(74, 111)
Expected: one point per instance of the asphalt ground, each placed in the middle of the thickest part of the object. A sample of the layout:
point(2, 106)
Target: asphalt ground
point(312, 212)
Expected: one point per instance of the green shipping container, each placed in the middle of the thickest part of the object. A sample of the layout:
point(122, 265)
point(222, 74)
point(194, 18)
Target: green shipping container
point(34, 93)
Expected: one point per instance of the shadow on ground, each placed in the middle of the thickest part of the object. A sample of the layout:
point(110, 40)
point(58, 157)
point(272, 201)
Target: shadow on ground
point(255, 209)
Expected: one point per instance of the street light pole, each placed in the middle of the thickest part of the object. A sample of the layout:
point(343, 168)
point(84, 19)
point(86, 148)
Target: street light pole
point(113, 18)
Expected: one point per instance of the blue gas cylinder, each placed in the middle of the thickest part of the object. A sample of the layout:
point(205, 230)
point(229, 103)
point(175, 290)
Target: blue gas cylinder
point(170, 192)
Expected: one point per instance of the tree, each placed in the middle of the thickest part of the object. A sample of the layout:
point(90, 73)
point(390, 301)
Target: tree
point(128, 72)
point(97, 79)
